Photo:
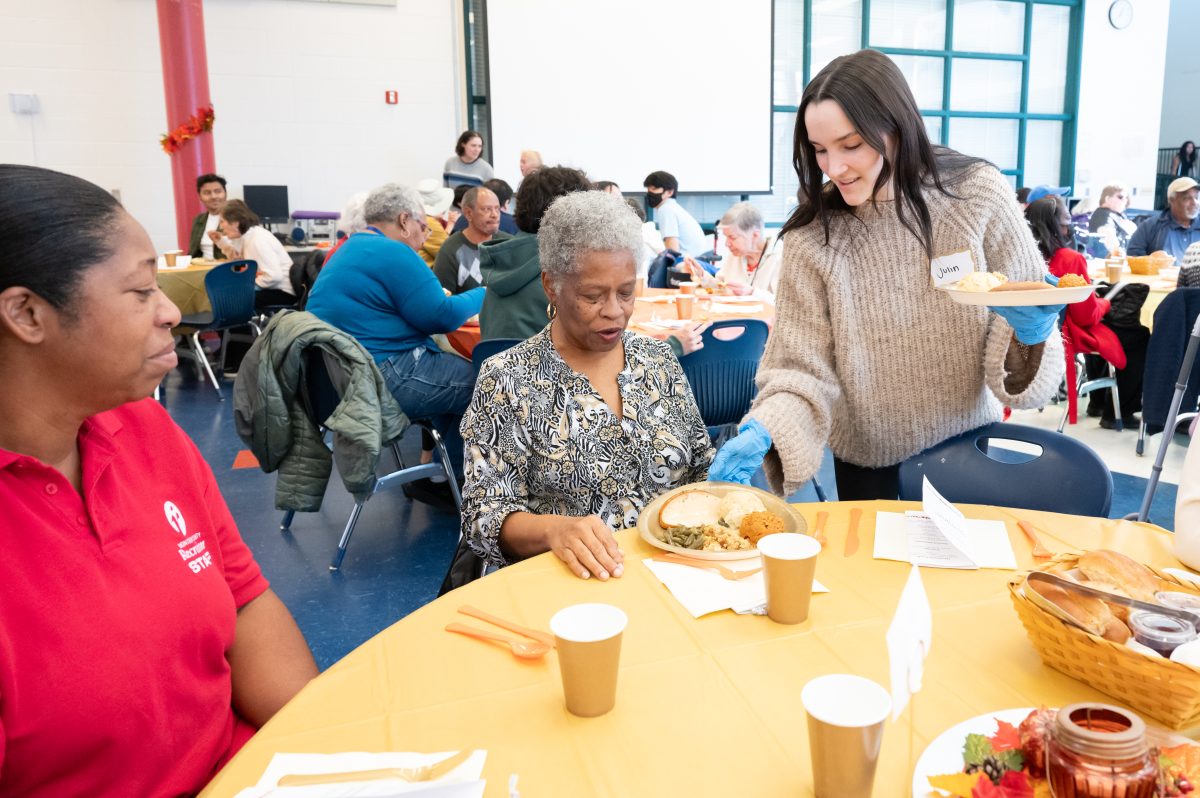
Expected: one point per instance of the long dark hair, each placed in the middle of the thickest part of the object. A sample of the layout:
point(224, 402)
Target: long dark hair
point(1187, 158)
point(876, 99)
point(1045, 220)
point(55, 227)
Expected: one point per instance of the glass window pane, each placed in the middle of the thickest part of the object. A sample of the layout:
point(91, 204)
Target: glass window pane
point(1048, 59)
point(977, 84)
point(913, 24)
point(993, 139)
point(1043, 153)
point(933, 128)
point(989, 26)
point(836, 30)
point(789, 51)
point(778, 205)
point(924, 76)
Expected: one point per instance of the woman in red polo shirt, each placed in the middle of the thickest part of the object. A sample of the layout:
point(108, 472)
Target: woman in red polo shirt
point(140, 645)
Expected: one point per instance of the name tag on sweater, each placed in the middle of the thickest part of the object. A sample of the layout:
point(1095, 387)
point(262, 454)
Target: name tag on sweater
point(949, 269)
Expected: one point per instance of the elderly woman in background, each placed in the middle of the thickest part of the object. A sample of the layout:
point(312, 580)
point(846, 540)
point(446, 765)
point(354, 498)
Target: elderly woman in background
point(350, 222)
point(1109, 219)
point(273, 280)
point(571, 433)
point(142, 645)
point(531, 161)
point(753, 262)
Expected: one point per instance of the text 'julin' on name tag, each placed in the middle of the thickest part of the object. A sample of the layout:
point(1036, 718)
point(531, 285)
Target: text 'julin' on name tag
point(949, 269)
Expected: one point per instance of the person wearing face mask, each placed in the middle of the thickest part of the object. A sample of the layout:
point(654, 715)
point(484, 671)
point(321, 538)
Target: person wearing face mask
point(866, 355)
point(680, 231)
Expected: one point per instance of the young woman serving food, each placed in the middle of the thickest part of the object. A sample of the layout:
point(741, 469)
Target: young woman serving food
point(867, 356)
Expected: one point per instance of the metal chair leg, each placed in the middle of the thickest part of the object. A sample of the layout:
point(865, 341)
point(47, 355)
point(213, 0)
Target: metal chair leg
point(203, 358)
point(1119, 424)
point(346, 533)
point(286, 524)
point(1141, 441)
point(445, 458)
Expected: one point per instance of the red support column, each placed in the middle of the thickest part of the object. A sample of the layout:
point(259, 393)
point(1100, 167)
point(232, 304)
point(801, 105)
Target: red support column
point(185, 85)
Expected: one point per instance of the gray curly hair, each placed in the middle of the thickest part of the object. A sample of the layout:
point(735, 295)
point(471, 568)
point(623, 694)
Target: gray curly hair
point(352, 220)
point(585, 221)
point(387, 202)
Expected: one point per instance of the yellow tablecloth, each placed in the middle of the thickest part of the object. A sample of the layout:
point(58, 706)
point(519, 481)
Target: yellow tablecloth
point(185, 287)
point(704, 707)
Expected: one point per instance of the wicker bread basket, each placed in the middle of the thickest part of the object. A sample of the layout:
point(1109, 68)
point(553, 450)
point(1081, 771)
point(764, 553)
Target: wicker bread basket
point(1164, 690)
point(1149, 264)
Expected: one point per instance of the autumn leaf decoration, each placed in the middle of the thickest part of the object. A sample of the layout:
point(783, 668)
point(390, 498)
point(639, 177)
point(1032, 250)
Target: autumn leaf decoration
point(199, 122)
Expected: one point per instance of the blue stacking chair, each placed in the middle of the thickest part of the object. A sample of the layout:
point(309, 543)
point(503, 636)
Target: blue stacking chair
point(230, 289)
point(1067, 477)
point(494, 346)
point(722, 374)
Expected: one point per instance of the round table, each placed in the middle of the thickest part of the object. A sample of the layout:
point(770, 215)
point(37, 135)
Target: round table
point(185, 287)
point(707, 706)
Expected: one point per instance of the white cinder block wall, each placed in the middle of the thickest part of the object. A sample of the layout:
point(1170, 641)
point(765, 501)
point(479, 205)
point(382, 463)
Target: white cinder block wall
point(298, 89)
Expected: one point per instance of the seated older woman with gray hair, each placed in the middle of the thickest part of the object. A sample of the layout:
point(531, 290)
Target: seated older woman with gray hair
point(752, 266)
point(572, 432)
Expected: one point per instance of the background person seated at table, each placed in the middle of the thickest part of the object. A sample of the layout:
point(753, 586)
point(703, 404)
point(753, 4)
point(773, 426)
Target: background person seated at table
point(1109, 219)
point(205, 227)
point(380, 292)
point(752, 266)
point(142, 645)
point(273, 281)
point(1176, 228)
point(679, 229)
point(467, 167)
point(572, 432)
point(504, 195)
point(457, 265)
point(1083, 329)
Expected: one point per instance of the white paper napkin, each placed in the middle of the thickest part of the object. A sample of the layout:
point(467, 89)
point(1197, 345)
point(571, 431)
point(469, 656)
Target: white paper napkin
point(730, 308)
point(462, 782)
point(701, 591)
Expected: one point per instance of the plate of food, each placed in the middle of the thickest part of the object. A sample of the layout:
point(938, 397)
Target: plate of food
point(995, 289)
point(716, 520)
point(1008, 749)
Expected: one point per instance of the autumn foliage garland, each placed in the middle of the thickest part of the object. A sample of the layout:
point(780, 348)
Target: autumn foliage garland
point(200, 122)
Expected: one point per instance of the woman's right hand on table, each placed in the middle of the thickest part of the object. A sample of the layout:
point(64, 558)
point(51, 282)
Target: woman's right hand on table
point(587, 547)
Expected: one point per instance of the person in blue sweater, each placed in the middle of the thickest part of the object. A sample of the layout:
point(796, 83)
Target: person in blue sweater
point(378, 290)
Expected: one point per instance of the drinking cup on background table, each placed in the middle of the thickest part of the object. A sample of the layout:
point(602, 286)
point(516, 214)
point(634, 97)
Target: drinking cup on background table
point(688, 288)
point(845, 730)
point(640, 287)
point(789, 562)
point(684, 304)
point(1112, 270)
point(169, 257)
point(588, 638)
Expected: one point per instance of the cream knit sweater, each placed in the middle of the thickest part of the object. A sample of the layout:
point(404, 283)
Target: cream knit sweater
point(866, 355)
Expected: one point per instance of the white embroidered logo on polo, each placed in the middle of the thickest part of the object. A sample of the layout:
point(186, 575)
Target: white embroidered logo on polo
point(192, 549)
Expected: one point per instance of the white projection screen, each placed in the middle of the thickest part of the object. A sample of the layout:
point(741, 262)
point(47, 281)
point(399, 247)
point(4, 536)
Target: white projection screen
point(621, 88)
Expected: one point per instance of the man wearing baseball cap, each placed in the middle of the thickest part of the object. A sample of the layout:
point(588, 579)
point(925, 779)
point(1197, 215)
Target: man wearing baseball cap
point(1175, 228)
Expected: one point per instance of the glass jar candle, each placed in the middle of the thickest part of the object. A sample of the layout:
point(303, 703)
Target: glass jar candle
point(1099, 751)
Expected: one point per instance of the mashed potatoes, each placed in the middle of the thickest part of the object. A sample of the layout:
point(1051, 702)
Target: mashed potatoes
point(735, 505)
point(980, 281)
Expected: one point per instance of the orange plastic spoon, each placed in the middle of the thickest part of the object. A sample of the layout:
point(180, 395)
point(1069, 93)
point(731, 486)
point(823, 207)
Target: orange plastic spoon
point(523, 649)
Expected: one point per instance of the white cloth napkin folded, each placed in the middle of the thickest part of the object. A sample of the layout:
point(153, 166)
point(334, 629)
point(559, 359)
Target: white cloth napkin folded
point(462, 782)
point(702, 591)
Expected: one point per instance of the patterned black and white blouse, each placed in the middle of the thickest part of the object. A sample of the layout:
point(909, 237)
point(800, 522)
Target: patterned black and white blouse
point(540, 439)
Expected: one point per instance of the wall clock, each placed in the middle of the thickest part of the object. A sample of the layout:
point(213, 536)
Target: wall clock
point(1120, 14)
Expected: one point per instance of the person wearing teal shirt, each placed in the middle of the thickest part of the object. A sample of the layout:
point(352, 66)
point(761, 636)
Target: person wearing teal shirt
point(379, 291)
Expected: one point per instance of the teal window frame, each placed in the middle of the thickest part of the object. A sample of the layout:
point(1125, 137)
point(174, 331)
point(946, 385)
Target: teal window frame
point(1068, 117)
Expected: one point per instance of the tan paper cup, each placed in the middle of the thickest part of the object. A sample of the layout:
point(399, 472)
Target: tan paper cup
point(688, 288)
point(684, 304)
point(789, 562)
point(1112, 271)
point(640, 287)
point(588, 637)
point(845, 730)
point(169, 258)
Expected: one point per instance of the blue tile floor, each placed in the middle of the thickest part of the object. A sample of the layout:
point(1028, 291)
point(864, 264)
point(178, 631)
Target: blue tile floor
point(401, 549)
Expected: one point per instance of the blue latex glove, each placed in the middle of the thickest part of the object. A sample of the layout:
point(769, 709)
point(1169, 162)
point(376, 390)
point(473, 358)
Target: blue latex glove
point(741, 456)
point(1034, 324)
